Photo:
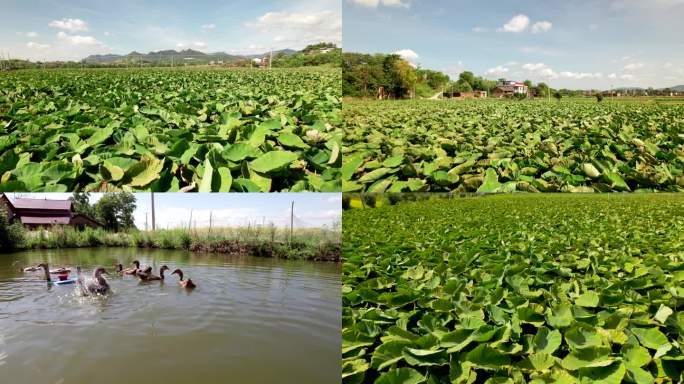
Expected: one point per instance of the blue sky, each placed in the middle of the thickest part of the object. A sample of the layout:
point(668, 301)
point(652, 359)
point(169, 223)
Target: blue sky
point(228, 209)
point(574, 44)
point(73, 29)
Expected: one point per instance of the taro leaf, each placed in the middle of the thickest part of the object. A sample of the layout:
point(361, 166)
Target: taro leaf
point(289, 139)
point(582, 336)
point(350, 166)
point(8, 161)
point(663, 313)
point(205, 182)
point(374, 175)
point(546, 341)
point(484, 356)
point(388, 353)
point(393, 161)
point(612, 374)
point(560, 316)
point(240, 151)
point(224, 180)
point(491, 182)
point(245, 185)
point(425, 357)
point(117, 166)
point(636, 355)
point(401, 376)
point(100, 135)
point(145, 171)
point(588, 299)
point(590, 170)
point(540, 361)
point(650, 338)
point(273, 161)
point(354, 367)
point(589, 357)
point(263, 182)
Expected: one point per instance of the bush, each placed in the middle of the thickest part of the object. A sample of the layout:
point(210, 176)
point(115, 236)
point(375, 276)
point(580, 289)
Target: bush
point(346, 202)
point(12, 236)
point(393, 198)
point(369, 200)
point(599, 97)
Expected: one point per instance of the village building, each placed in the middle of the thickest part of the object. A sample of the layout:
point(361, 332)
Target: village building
point(35, 213)
point(510, 88)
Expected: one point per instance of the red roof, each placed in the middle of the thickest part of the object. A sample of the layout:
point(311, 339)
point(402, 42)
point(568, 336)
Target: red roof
point(39, 220)
point(22, 203)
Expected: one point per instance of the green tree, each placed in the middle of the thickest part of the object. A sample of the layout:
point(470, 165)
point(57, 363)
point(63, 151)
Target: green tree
point(115, 211)
point(558, 95)
point(81, 203)
point(11, 235)
point(463, 86)
point(542, 90)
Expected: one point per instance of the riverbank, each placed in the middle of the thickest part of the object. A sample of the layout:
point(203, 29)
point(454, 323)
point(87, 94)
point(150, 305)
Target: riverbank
point(306, 244)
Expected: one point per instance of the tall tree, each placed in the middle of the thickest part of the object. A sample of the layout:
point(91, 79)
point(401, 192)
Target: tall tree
point(115, 211)
point(81, 202)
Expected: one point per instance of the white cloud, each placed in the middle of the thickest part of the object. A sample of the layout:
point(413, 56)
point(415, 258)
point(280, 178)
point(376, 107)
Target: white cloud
point(208, 26)
point(627, 77)
point(479, 29)
point(200, 44)
point(612, 76)
point(667, 65)
point(407, 54)
point(580, 75)
point(297, 29)
point(541, 26)
point(517, 24)
point(594, 27)
point(386, 3)
point(71, 25)
point(633, 66)
point(35, 45)
point(180, 45)
point(497, 71)
point(31, 34)
point(78, 40)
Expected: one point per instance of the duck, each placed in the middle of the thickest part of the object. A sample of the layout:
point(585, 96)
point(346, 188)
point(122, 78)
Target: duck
point(45, 268)
point(132, 271)
point(98, 284)
point(187, 284)
point(147, 275)
point(31, 269)
point(119, 269)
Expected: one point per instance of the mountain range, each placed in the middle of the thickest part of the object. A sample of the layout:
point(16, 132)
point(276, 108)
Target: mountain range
point(170, 55)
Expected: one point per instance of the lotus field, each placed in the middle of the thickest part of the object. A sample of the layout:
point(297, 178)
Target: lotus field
point(170, 129)
point(553, 288)
point(505, 146)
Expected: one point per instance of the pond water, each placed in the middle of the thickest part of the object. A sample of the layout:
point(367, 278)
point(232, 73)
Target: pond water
point(250, 320)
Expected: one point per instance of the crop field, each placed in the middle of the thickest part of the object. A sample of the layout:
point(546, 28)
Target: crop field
point(528, 288)
point(505, 146)
point(170, 130)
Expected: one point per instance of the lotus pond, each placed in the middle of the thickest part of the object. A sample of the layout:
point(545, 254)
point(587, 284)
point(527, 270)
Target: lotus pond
point(170, 130)
point(506, 146)
point(553, 288)
point(249, 320)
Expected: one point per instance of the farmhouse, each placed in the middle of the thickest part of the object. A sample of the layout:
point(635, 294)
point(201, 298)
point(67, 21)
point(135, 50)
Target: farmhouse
point(34, 213)
point(510, 88)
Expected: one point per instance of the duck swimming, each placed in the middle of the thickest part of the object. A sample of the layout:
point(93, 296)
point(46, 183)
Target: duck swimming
point(31, 269)
point(148, 276)
point(132, 271)
point(98, 284)
point(187, 284)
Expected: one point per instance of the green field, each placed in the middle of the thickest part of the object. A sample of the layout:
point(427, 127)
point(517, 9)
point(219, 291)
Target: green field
point(528, 288)
point(575, 145)
point(170, 129)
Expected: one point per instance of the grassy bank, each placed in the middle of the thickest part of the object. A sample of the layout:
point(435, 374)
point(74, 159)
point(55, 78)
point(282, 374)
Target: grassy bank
point(309, 244)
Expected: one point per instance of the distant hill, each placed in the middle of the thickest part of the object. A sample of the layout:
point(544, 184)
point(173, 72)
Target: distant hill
point(678, 88)
point(170, 55)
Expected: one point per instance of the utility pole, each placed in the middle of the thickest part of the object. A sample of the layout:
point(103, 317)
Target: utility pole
point(270, 60)
point(145, 221)
point(190, 222)
point(291, 221)
point(153, 221)
point(210, 217)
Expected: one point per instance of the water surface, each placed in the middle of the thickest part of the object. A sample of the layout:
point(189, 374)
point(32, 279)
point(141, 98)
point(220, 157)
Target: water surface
point(250, 320)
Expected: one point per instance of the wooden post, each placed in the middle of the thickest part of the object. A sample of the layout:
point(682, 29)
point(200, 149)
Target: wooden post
point(154, 224)
point(291, 221)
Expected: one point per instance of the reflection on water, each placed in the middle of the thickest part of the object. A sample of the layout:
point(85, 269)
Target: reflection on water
point(249, 321)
